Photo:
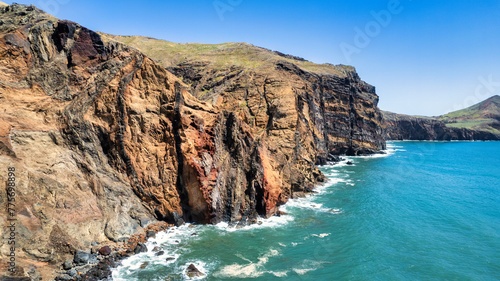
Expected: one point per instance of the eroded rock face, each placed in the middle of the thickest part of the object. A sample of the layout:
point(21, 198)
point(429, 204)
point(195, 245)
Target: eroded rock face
point(404, 127)
point(104, 140)
point(300, 113)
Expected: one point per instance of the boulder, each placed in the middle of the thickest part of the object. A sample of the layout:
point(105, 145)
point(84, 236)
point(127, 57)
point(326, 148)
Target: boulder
point(140, 248)
point(105, 251)
point(192, 271)
point(81, 257)
point(72, 272)
point(67, 265)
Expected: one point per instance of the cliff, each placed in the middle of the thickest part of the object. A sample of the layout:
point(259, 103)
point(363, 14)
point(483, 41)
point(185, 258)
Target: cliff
point(105, 141)
point(276, 92)
point(483, 116)
point(405, 127)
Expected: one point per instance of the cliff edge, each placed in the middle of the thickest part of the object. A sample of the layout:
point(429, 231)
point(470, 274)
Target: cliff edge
point(105, 141)
point(478, 122)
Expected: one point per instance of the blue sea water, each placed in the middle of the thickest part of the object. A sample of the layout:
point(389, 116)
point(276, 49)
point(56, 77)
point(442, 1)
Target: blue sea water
point(424, 211)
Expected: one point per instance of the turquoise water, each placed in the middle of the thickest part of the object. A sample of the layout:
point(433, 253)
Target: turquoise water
point(425, 211)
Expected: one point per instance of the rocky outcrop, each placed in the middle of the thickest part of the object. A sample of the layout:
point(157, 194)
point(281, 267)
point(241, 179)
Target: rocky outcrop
point(338, 113)
point(105, 141)
point(405, 127)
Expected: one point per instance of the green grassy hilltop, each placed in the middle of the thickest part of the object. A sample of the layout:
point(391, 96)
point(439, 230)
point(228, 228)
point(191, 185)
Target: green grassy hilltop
point(484, 116)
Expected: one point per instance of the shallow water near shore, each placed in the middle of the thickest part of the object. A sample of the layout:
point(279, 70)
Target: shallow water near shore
point(424, 211)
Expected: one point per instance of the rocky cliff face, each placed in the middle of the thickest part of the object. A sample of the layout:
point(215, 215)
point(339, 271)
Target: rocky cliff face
point(404, 127)
point(105, 141)
point(339, 113)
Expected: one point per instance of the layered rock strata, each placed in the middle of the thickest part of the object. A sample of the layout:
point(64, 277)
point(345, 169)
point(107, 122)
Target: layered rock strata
point(105, 141)
point(405, 127)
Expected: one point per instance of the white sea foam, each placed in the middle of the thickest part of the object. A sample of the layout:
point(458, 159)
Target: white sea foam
point(308, 265)
point(304, 203)
point(169, 241)
point(302, 271)
point(390, 150)
point(272, 222)
point(279, 273)
point(249, 270)
point(322, 235)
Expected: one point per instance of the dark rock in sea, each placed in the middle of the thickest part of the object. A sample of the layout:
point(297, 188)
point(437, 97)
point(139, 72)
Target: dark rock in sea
point(144, 265)
point(170, 259)
point(192, 271)
point(350, 163)
point(81, 257)
point(105, 251)
point(156, 249)
point(150, 234)
point(102, 271)
point(140, 248)
point(67, 265)
point(160, 253)
point(178, 220)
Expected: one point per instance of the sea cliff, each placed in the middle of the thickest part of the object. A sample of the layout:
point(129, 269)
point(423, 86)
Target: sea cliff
point(106, 141)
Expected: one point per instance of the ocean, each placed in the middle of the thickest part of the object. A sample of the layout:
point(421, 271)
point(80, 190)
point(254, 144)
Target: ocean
point(423, 211)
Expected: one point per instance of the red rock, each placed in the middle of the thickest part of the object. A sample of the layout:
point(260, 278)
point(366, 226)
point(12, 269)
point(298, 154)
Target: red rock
point(105, 251)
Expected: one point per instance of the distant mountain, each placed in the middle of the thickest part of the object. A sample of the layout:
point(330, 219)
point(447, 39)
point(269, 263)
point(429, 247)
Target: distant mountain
point(484, 116)
point(478, 122)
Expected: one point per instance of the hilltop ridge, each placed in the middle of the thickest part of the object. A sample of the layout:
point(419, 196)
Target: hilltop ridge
point(477, 122)
point(105, 141)
point(483, 116)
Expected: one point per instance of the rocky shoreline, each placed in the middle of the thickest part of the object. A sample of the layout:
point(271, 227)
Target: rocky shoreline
point(98, 262)
point(106, 141)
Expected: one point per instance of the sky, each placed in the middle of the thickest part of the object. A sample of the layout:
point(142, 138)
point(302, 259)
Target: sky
point(425, 57)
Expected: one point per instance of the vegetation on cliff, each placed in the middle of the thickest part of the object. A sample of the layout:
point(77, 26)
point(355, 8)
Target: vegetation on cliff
point(106, 141)
point(478, 122)
point(484, 116)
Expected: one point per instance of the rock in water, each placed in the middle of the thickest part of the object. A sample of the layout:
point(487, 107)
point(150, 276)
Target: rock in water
point(79, 107)
point(140, 248)
point(192, 271)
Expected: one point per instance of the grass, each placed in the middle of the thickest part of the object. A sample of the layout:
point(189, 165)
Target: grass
point(482, 116)
point(219, 56)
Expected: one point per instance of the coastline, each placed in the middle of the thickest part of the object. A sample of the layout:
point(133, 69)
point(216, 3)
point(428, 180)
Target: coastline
point(107, 255)
point(176, 234)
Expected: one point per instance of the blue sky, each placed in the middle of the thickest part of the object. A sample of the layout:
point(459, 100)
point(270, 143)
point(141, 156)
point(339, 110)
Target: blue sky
point(425, 57)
